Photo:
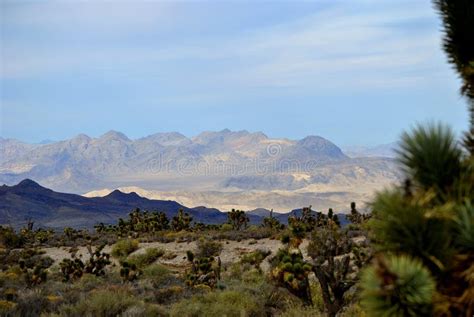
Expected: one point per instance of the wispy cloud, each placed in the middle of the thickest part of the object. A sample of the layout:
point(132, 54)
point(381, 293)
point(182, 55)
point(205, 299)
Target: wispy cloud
point(337, 46)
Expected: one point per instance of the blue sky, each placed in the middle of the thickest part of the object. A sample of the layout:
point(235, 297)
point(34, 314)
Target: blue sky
point(355, 72)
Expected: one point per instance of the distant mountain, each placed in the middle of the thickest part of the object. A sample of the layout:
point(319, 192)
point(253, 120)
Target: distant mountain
point(259, 212)
point(215, 163)
point(29, 200)
point(383, 150)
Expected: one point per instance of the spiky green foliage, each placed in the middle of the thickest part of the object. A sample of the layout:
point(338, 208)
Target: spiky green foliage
point(71, 269)
point(464, 225)
point(208, 247)
point(431, 157)
point(299, 225)
point(204, 271)
point(205, 264)
point(74, 268)
point(97, 262)
point(238, 219)
point(182, 221)
point(291, 271)
point(255, 258)
point(330, 249)
point(272, 222)
point(9, 239)
point(411, 225)
point(146, 258)
point(431, 220)
point(129, 271)
point(356, 217)
point(398, 286)
point(124, 247)
point(458, 20)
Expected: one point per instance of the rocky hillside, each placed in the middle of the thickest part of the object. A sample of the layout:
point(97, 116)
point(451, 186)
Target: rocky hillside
point(211, 164)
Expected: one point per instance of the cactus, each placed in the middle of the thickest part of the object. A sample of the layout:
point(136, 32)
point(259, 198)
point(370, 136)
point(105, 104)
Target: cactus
point(205, 264)
point(356, 217)
point(289, 270)
point(330, 249)
point(272, 223)
point(72, 269)
point(138, 223)
point(398, 286)
point(35, 276)
point(238, 219)
point(129, 272)
point(97, 261)
point(182, 221)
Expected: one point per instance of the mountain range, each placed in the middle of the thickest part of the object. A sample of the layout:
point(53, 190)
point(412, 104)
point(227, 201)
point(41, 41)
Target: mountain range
point(223, 169)
point(30, 201)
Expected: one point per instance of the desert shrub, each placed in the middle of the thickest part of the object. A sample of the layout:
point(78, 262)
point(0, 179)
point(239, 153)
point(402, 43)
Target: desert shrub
point(301, 311)
point(168, 294)
point(6, 307)
point(129, 272)
point(208, 248)
point(145, 310)
point(31, 303)
point(71, 269)
point(124, 247)
point(157, 273)
point(255, 258)
point(144, 259)
point(9, 239)
point(105, 302)
point(204, 271)
point(220, 303)
point(226, 227)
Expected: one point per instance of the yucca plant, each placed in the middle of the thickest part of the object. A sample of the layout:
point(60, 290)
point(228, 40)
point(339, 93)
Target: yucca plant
point(431, 156)
point(424, 230)
point(398, 286)
point(458, 43)
point(428, 220)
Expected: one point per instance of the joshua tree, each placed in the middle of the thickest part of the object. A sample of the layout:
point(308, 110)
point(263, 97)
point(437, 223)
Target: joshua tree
point(205, 264)
point(182, 221)
point(424, 230)
point(238, 219)
point(336, 261)
point(290, 270)
point(458, 19)
point(272, 223)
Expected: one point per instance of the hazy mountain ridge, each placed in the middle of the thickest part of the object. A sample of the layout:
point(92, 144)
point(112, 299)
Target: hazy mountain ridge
point(28, 200)
point(382, 150)
point(211, 163)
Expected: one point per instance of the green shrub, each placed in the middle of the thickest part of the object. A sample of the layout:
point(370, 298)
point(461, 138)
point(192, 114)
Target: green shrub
point(158, 273)
point(124, 247)
point(105, 303)
point(142, 260)
point(255, 258)
point(223, 303)
point(208, 248)
point(226, 227)
point(301, 311)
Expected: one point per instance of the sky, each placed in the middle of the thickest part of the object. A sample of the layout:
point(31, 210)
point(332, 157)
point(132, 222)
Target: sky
point(355, 72)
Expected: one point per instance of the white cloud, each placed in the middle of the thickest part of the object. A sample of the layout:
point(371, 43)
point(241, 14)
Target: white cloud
point(339, 46)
